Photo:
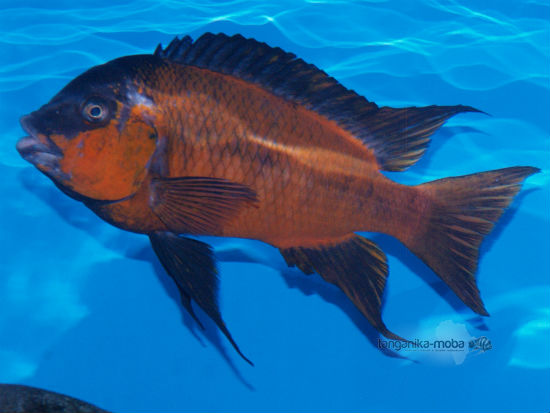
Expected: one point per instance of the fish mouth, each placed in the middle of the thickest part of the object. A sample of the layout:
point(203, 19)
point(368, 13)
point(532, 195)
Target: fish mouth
point(39, 150)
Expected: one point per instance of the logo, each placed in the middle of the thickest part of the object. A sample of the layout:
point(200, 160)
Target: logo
point(481, 344)
point(423, 345)
point(448, 343)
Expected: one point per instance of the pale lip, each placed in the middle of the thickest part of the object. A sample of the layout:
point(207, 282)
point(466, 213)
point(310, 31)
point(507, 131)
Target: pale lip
point(39, 150)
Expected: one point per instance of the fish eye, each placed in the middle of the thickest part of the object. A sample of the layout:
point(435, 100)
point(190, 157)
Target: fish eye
point(95, 110)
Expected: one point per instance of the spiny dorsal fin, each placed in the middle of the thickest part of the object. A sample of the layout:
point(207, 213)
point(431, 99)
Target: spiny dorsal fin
point(398, 137)
point(272, 68)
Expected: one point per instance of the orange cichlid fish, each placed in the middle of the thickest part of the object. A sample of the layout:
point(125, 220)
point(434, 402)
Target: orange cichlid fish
point(229, 137)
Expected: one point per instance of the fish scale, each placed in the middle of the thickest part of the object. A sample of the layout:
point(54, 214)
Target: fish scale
point(279, 202)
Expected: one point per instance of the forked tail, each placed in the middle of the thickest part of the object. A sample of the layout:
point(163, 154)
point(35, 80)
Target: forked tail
point(463, 211)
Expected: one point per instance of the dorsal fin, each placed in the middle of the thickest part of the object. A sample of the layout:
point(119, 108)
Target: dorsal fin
point(280, 72)
point(398, 137)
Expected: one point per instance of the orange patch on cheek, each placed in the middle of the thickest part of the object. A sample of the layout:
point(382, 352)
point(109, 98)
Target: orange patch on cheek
point(107, 164)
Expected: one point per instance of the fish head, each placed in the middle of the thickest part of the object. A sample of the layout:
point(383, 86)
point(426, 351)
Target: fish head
point(96, 137)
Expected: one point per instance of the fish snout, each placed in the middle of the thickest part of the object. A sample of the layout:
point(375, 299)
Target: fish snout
point(37, 148)
point(27, 124)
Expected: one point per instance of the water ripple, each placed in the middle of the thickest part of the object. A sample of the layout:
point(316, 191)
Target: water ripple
point(394, 52)
point(463, 36)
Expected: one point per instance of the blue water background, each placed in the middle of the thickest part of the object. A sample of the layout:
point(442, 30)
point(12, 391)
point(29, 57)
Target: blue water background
point(86, 310)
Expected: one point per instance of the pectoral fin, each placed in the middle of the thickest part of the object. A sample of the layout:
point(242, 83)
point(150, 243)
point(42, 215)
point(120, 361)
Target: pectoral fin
point(358, 266)
point(191, 264)
point(198, 205)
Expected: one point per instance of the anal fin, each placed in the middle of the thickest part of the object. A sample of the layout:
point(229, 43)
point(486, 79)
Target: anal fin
point(357, 266)
point(191, 264)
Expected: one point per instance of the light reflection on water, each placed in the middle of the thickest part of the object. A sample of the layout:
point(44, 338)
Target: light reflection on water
point(397, 53)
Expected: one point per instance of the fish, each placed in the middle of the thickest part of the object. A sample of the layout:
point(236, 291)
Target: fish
point(17, 398)
point(482, 344)
point(227, 136)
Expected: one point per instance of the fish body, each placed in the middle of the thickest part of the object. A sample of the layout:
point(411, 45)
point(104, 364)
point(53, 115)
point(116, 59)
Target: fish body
point(308, 174)
point(229, 137)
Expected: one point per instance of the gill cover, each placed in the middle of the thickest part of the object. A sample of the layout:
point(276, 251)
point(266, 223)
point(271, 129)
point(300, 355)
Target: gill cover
point(109, 162)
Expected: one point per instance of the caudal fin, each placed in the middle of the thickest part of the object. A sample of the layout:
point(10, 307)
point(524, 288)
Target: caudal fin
point(463, 211)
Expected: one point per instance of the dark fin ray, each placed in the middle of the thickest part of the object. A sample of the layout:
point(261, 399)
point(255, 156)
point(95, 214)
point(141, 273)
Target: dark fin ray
point(186, 302)
point(198, 205)
point(357, 266)
point(279, 72)
point(398, 137)
point(464, 210)
point(176, 49)
point(191, 264)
